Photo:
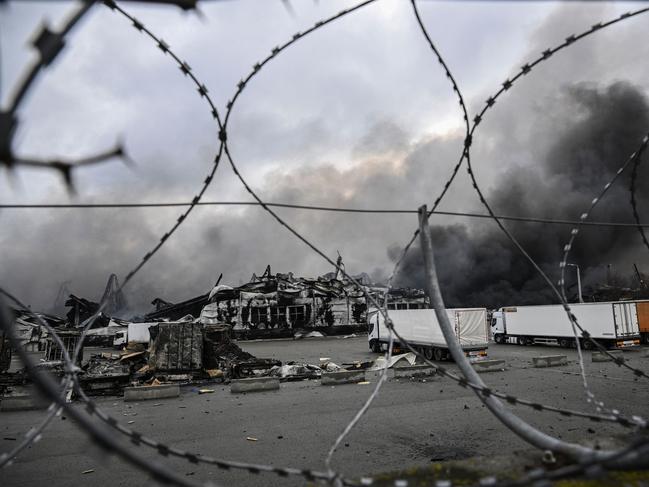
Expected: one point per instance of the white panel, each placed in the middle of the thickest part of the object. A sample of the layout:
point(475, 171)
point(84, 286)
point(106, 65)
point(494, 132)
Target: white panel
point(626, 319)
point(420, 326)
point(473, 326)
point(139, 332)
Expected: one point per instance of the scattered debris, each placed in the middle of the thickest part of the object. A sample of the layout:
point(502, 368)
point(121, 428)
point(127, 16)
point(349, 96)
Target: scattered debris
point(250, 438)
point(307, 334)
point(296, 371)
point(205, 391)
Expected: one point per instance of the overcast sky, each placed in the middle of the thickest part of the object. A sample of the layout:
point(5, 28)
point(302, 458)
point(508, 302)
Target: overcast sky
point(357, 114)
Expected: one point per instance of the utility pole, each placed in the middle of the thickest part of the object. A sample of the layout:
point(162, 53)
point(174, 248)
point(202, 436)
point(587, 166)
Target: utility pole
point(643, 285)
point(581, 298)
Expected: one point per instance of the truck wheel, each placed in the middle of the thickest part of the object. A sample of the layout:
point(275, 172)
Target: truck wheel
point(438, 354)
point(499, 339)
point(587, 345)
point(564, 343)
point(375, 346)
point(428, 353)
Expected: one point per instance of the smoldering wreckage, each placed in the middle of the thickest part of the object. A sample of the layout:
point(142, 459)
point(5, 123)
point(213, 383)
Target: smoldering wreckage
point(193, 341)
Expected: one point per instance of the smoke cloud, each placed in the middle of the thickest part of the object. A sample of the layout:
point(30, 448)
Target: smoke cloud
point(480, 267)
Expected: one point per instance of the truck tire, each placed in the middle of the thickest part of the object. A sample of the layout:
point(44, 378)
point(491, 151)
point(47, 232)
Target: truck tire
point(438, 354)
point(564, 343)
point(428, 353)
point(499, 339)
point(587, 345)
point(375, 346)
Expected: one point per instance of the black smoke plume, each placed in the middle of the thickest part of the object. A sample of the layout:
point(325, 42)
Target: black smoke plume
point(478, 266)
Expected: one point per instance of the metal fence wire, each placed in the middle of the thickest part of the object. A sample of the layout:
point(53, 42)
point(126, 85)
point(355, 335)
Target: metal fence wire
point(107, 431)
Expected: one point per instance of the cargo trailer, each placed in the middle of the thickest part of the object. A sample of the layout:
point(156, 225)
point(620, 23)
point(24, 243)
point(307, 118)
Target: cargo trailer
point(421, 329)
point(614, 324)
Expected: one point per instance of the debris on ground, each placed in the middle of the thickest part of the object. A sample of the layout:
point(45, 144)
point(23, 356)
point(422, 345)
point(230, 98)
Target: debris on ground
point(404, 359)
point(307, 334)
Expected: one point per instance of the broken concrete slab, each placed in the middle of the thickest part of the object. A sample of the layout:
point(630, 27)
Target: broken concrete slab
point(549, 361)
point(23, 402)
point(142, 393)
point(489, 365)
point(414, 371)
point(342, 377)
point(254, 384)
point(602, 357)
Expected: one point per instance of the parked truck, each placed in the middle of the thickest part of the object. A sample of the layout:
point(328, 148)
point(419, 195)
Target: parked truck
point(614, 324)
point(421, 329)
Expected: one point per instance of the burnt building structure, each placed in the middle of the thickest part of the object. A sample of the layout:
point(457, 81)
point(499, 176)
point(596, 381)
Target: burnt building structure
point(279, 304)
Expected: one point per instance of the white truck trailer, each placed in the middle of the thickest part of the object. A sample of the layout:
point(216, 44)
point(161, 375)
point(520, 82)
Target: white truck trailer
point(421, 329)
point(614, 324)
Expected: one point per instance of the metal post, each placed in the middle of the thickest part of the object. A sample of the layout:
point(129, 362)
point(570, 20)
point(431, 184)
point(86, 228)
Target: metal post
point(581, 298)
point(510, 420)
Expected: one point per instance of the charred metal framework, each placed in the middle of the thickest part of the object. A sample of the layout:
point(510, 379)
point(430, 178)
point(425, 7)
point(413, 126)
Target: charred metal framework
point(277, 303)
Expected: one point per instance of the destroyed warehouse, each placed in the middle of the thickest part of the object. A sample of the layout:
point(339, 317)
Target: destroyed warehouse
point(280, 304)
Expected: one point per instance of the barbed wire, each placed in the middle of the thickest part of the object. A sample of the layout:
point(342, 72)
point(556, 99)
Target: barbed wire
point(634, 204)
point(24, 87)
point(222, 136)
point(102, 437)
point(506, 85)
point(165, 450)
point(566, 251)
point(526, 219)
point(34, 434)
point(299, 236)
point(483, 392)
point(49, 45)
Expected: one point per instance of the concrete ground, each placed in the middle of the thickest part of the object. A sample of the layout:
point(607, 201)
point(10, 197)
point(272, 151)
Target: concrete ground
point(412, 423)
